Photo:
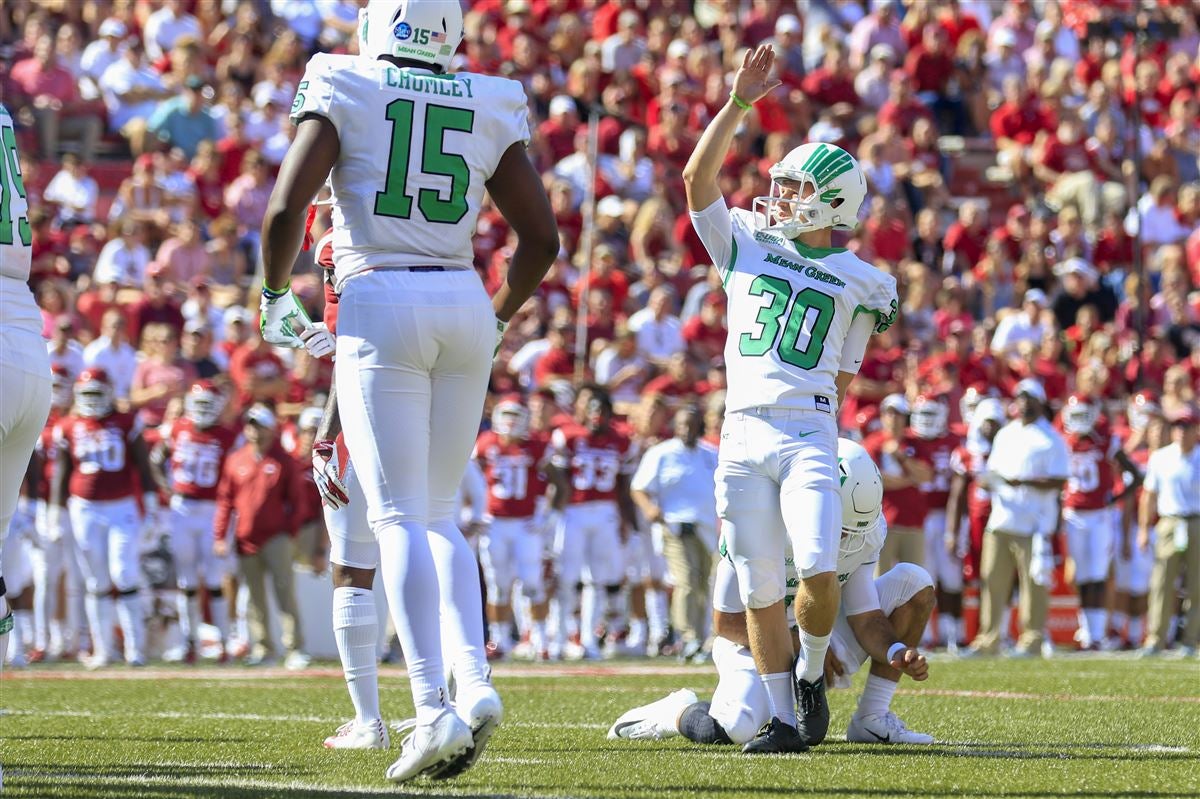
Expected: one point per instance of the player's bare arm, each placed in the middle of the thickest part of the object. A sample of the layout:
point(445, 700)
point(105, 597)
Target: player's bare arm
point(516, 189)
point(64, 464)
point(160, 456)
point(956, 505)
point(751, 83)
point(875, 633)
point(331, 421)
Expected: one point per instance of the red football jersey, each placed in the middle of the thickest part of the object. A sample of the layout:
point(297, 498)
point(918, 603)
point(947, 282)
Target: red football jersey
point(937, 452)
point(595, 460)
point(46, 449)
point(513, 473)
point(100, 450)
point(1092, 477)
point(197, 457)
point(970, 462)
point(902, 507)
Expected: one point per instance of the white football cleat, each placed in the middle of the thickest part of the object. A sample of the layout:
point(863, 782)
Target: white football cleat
point(883, 728)
point(431, 747)
point(655, 721)
point(482, 714)
point(352, 735)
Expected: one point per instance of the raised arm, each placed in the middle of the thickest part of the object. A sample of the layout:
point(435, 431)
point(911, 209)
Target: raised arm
point(751, 83)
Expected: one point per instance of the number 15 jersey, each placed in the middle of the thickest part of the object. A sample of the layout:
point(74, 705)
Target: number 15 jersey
point(416, 150)
point(791, 307)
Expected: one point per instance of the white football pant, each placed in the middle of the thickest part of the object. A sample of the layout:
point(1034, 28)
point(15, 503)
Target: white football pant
point(1090, 543)
point(945, 567)
point(510, 550)
point(55, 561)
point(108, 534)
point(23, 411)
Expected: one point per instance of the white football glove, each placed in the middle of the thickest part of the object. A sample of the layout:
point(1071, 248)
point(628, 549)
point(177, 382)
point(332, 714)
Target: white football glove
point(282, 318)
point(325, 473)
point(318, 340)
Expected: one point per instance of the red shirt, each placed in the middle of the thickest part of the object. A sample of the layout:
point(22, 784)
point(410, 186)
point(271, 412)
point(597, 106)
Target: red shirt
point(99, 448)
point(559, 139)
point(706, 342)
point(902, 507)
point(249, 361)
point(1092, 477)
point(888, 239)
point(142, 313)
point(937, 451)
point(1021, 123)
point(267, 494)
point(969, 244)
point(30, 78)
point(930, 71)
point(197, 456)
point(669, 387)
point(595, 460)
point(902, 117)
point(513, 472)
point(554, 363)
point(1066, 158)
point(829, 88)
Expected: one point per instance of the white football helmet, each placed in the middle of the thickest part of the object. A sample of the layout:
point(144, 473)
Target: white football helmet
point(831, 179)
point(1080, 415)
point(861, 489)
point(510, 418)
point(93, 394)
point(929, 417)
point(969, 402)
point(204, 404)
point(989, 409)
point(422, 30)
point(60, 386)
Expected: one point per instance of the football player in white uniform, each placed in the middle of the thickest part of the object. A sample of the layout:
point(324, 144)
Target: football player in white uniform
point(23, 359)
point(880, 620)
point(409, 150)
point(800, 314)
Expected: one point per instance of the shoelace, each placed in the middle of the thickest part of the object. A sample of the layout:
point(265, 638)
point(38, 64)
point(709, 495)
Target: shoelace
point(808, 698)
point(344, 730)
point(894, 723)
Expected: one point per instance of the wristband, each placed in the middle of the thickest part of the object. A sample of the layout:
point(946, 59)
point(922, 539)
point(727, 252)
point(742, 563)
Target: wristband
point(895, 649)
point(272, 294)
point(740, 103)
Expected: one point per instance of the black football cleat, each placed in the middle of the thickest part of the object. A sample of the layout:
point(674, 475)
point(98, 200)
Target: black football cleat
point(775, 738)
point(812, 710)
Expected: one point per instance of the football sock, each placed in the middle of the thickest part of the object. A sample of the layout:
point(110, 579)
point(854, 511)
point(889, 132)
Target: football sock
point(876, 696)
point(22, 632)
point(462, 606)
point(187, 604)
point(537, 637)
point(656, 610)
point(637, 634)
point(780, 696)
point(1136, 629)
point(356, 630)
point(1085, 629)
point(411, 585)
point(696, 725)
point(947, 629)
point(100, 620)
point(1096, 623)
point(812, 656)
point(589, 597)
point(133, 624)
point(565, 606)
point(219, 610)
point(1117, 621)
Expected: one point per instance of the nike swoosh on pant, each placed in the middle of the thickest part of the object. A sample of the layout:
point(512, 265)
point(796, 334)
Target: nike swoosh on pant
point(806, 435)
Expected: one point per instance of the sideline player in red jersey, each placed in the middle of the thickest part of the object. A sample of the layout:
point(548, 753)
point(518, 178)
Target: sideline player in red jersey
point(598, 461)
point(969, 497)
point(188, 464)
point(54, 557)
point(935, 445)
point(513, 462)
point(1087, 509)
point(101, 458)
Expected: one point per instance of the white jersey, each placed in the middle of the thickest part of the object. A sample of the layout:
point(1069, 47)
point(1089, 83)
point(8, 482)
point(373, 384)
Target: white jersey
point(17, 306)
point(416, 150)
point(791, 309)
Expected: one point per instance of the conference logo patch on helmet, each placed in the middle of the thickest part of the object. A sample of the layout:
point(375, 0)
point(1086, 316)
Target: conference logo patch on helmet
point(402, 31)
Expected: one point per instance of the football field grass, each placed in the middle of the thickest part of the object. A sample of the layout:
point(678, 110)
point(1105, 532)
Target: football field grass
point(1072, 726)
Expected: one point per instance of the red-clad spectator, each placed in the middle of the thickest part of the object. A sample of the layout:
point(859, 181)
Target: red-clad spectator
point(156, 305)
point(183, 257)
point(160, 376)
point(558, 132)
point(605, 276)
point(50, 93)
point(232, 148)
point(966, 237)
point(670, 143)
point(96, 301)
point(206, 176)
point(886, 233)
point(1020, 118)
point(957, 22)
point(833, 81)
point(705, 333)
point(257, 373)
point(878, 377)
point(559, 360)
point(1012, 234)
point(902, 108)
point(931, 63)
point(679, 379)
point(895, 449)
point(1148, 368)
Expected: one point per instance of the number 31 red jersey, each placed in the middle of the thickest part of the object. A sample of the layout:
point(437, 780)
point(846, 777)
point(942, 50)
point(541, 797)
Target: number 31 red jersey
point(197, 457)
point(594, 459)
point(513, 472)
point(99, 449)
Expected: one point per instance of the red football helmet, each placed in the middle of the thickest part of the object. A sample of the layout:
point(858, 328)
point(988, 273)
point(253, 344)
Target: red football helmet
point(93, 393)
point(204, 403)
point(929, 417)
point(1142, 406)
point(510, 418)
point(1080, 414)
point(60, 386)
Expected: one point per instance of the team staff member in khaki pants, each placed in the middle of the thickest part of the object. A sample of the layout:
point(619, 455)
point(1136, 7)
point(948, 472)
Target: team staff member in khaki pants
point(1026, 472)
point(894, 450)
point(1172, 488)
point(675, 487)
point(263, 485)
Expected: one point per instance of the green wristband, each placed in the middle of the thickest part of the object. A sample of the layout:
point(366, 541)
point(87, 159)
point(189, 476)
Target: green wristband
point(739, 102)
point(272, 294)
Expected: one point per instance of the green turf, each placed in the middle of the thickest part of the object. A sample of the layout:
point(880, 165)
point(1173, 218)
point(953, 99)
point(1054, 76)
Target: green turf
point(1092, 727)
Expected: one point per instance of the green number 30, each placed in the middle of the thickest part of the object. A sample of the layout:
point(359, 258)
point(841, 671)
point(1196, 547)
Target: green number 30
point(394, 200)
point(770, 316)
point(10, 178)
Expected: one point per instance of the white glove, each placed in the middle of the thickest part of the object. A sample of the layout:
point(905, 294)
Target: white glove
point(282, 318)
point(318, 340)
point(55, 525)
point(325, 473)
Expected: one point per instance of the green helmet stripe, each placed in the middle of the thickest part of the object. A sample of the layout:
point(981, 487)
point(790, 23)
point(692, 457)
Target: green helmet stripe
point(827, 163)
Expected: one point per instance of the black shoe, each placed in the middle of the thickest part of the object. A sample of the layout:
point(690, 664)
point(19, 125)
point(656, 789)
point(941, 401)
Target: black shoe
point(775, 737)
point(812, 710)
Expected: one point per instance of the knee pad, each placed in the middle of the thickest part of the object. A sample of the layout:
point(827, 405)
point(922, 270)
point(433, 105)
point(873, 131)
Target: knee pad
point(908, 580)
point(761, 582)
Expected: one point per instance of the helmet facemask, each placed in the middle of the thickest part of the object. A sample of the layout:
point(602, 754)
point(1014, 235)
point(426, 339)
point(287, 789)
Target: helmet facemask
point(1080, 418)
point(203, 408)
point(93, 400)
point(794, 204)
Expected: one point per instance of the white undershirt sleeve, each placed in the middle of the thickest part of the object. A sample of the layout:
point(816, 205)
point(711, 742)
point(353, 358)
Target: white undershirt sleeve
point(714, 226)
